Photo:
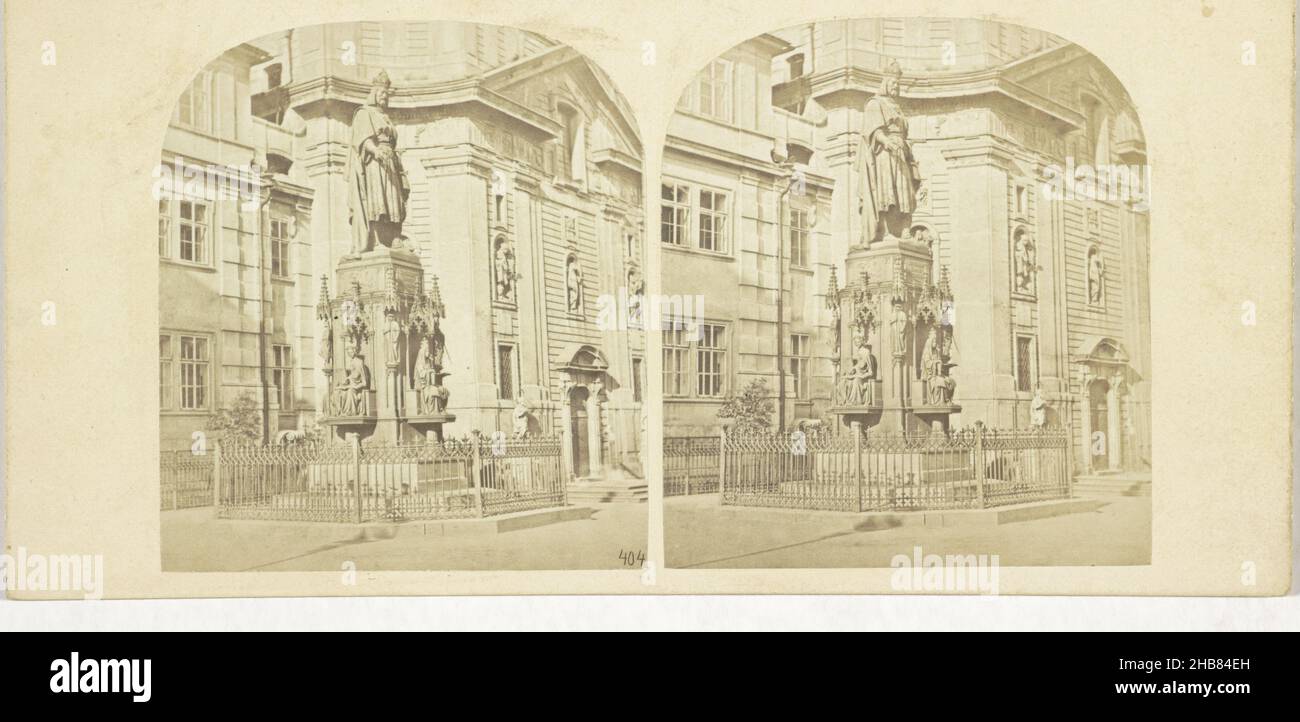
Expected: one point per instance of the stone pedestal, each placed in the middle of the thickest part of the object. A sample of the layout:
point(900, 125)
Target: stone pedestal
point(894, 304)
point(380, 317)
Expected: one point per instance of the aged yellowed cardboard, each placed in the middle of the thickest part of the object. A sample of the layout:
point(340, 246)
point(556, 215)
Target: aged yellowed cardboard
point(92, 98)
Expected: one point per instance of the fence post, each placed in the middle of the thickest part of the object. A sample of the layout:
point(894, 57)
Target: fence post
point(176, 482)
point(216, 476)
point(354, 440)
point(690, 455)
point(979, 462)
point(855, 427)
point(476, 471)
point(1067, 458)
point(722, 464)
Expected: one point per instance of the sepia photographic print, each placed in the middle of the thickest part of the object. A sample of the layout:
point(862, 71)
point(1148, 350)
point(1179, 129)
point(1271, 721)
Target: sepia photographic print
point(398, 306)
point(922, 248)
point(987, 297)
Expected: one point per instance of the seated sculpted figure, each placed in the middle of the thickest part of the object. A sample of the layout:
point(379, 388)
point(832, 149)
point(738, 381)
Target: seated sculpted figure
point(352, 398)
point(848, 390)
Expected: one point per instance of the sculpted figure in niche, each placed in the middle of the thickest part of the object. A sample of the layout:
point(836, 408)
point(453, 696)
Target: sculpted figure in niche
point(520, 418)
point(1026, 262)
point(1096, 278)
point(352, 399)
point(428, 379)
point(504, 268)
point(573, 286)
point(1038, 409)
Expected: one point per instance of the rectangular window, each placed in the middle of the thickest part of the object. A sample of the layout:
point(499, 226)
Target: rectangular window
point(194, 366)
point(710, 357)
point(713, 90)
point(636, 380)
point(676, 349)
point(279, 233)
point(799, 238)
point(505, 371)
point(282, 375)
point(800, 364)
point(675, 213)
point(713, 221)
point(193, 228)
point(164, 228)
point(164, 371)
point(195, 107)
point(1026, 364)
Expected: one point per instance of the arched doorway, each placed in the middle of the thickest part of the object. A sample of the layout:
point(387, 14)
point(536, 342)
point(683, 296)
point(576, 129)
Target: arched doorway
point(1106, 378)
point(583, 377)
point(1099, 423)
point(581, 444)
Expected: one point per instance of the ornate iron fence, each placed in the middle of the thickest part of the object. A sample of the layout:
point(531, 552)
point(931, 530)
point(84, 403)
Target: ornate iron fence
point(691, 464)
point(463, 478)
point(974, 468)
point(186, 480)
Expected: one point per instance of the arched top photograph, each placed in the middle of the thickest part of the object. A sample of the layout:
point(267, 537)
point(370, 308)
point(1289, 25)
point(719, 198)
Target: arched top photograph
point(906, 224)
point(384, 241)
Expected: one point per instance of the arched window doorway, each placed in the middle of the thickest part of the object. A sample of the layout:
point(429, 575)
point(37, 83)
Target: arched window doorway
point(581, 451)
point(1099, 422)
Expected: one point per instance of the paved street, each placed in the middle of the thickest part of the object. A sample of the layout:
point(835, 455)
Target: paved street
point(192, 540)
point(698, 534)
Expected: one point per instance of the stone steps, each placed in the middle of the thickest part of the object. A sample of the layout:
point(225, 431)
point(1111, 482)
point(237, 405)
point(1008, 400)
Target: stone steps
point(1112, 485)
point(606, 491)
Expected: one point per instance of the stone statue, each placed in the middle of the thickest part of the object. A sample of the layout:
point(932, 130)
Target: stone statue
point(521, 418)
point(867, 374)
point(326, 338)
point(1038, 409)
point(393, 334)
point(504, 269)
point(636, 295)
point(835, 331)
point(856, 387)
point(898, 325)
point(436, 396)
point(573, 286)
point(888, 176)
point(1025, 259)
point(1096, 278)
point(353, 399)
point(437, 347)
point(377, 184)
point(848, 390)
point(934, 370)
point(428, 379)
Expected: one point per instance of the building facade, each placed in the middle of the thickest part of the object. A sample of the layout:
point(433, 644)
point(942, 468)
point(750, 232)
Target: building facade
point(525, 210)
point(1033, 202)
point(729, 158)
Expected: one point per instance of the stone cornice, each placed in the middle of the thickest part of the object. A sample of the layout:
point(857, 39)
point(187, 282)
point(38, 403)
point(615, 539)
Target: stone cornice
point(616, 158)
point(426, 96)
point(986, 150)
point(279, 185)
point(988, 81)
point(737, 160)
point(457, 159)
